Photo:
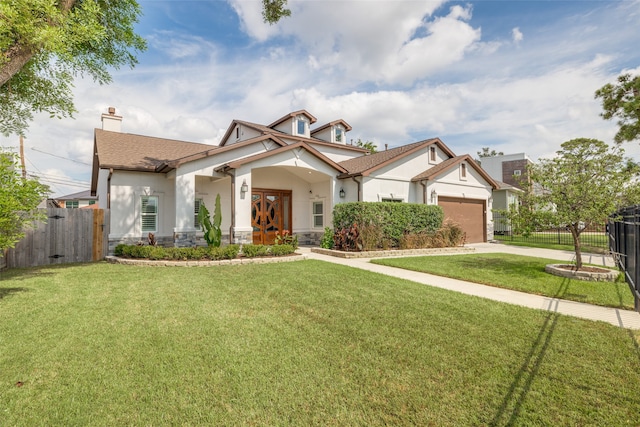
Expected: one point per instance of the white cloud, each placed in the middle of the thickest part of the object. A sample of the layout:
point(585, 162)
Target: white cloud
point(516, 35)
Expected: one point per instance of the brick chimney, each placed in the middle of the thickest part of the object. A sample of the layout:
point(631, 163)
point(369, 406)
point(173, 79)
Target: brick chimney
point(111, 122)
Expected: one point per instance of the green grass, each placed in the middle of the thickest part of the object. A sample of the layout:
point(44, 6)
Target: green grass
point(591, 242)
point(520, 273)
point(302, 343)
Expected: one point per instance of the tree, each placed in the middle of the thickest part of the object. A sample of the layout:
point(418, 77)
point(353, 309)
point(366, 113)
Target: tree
point(45, 44)
point(19, 199)
point(486, 153)
point(622, 101)
point(581, 187)
point(369, 145)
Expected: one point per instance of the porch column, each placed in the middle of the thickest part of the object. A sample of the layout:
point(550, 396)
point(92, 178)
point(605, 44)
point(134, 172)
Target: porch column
point(184, 232)
point(242, 230)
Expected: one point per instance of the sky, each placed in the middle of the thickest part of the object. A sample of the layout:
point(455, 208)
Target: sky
point(515, 76)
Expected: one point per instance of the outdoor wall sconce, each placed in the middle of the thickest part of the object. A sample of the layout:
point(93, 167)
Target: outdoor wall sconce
point(244, 187)
point(434, 197)
point(342, 193)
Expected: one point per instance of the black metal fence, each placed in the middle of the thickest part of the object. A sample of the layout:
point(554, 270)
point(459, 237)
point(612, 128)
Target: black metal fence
point(624, 238)
point(593, 239)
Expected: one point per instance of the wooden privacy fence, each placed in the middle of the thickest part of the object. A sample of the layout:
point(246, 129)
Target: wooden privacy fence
point(68, 235)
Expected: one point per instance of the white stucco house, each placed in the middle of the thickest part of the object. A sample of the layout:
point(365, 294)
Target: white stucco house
point(287, 175)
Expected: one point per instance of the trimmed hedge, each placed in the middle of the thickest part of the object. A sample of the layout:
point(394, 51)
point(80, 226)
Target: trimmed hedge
point(393, 219)
point(201, 253)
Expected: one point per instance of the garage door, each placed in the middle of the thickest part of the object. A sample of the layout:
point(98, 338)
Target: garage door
point(469, 213)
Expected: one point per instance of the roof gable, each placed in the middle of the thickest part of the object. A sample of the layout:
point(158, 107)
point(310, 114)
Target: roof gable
point(237, 163)
point(367, 164)
point(305, 113)
point(344, 124)
point(448, 164)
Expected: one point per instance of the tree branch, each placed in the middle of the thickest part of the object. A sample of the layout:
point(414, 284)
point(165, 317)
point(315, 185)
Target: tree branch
point(18, 55)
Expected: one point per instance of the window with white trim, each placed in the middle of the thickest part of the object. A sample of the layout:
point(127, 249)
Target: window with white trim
point(432, 153)
point(149, 214)
point(517, 172)
point(71, 204)
point(196, 211)
point(302, 127)
point(463, 171)
point(339, 133)
point(391, 199)
point(318, 214)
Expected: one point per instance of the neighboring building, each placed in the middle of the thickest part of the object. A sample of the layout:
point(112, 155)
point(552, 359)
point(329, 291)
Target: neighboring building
point(510, 169)
point(283, 176)
point(83, 199)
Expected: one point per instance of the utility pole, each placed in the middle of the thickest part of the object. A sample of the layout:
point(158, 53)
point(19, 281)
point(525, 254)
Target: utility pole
point(24, 169)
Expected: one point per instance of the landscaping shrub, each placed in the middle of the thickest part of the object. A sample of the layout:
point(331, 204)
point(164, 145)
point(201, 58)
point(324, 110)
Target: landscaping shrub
point(281, 250)
point(179, 254)
point(285, 238)
point(347, 239)
point(394, 219)
point(327, 239)
point(252, 251)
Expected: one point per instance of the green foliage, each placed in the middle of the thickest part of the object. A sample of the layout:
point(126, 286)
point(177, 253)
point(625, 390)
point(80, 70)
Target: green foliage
point(622, 101)
point(395, 219)
point(327, 239)
point(369, 145)
point(282, 250)
point(19, 200)
point(46, 44)
point(274, 10)
point(252, 251)
point(212, 231)
point(448, 236)
point(285, 238)
point(579, 188)
point(200, 253)
point(486, 152)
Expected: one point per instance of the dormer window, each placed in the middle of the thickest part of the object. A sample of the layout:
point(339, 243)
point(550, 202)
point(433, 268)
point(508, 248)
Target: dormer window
point(339, 134)
point(302, 126)
point(463, 171)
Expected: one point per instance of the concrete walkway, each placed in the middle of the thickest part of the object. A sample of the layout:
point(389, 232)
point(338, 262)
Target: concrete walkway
point(622, 318)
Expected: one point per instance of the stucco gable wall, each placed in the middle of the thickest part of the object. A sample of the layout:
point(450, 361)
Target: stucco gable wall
point(206, 166)
point(336, 152)
point(127, 188)
point(450, 184)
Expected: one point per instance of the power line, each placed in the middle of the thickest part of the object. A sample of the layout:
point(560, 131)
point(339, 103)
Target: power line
point(60, 157)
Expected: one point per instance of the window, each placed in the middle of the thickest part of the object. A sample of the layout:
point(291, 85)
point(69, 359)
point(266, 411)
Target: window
point(463, 171)
point(302, 127)
point(338, 135)
point(318, 214)
point(92, 202)
point(149, 214)
point(196, 211)
point(238, 132)
point(517, 172)
point(389, 199)
point(71, 204)
point(432, 154)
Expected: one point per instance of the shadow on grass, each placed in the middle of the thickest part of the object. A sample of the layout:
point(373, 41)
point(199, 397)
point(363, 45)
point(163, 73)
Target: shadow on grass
point(511, 405)
point(25, 273)
point(5, 292)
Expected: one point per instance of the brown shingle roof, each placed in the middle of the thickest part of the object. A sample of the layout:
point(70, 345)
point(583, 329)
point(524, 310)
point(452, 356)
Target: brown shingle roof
point(366, 164)
point(137, 152)
point(126, 151)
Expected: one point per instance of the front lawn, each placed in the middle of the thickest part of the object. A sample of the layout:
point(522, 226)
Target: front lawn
point(301, 343)
point(520, 273)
